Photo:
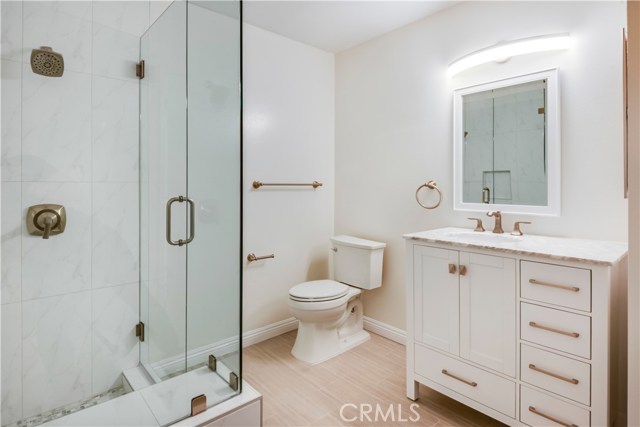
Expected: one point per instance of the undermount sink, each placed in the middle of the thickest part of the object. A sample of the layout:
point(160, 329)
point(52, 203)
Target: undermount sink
point(482, 237)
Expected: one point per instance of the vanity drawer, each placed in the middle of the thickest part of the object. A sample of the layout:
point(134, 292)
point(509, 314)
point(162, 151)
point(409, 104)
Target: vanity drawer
point(477, 384)
point(557, 329)
point(556, 284)
point(539, 409)
point(558, 374)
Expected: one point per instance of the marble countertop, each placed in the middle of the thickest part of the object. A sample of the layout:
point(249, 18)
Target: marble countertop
point(558, 248)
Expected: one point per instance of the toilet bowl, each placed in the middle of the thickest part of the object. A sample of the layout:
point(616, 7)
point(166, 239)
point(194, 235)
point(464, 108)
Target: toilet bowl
point(330, 312)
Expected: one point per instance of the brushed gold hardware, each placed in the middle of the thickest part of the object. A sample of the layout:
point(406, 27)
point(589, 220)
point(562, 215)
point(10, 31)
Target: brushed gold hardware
point(46, 220)
point(550, 418)
point(140, 69)
point(213, 362)
point(498, 217)
point(557, 331)
point(198, 404)
point(192, 221)
point(516, 228)
point(234, 381)
point(486, 195)
point(463, 270)
point(455, 377)
point(140, 331)
point(541, 110)
point(252, 257)
point(452, 268)
point(479, 226)
point(258, 184)
point(553, 285)
point(431, 185)
point(551, 374)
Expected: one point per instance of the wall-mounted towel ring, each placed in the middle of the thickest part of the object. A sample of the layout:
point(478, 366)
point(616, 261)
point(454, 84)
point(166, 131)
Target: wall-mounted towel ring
point(431, 185)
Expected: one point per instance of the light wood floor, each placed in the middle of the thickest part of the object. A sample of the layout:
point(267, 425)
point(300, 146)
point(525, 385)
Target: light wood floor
point(295, 394)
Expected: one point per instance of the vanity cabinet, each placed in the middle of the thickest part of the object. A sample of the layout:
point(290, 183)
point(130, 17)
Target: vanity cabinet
point(465, 305)
point(525, 330)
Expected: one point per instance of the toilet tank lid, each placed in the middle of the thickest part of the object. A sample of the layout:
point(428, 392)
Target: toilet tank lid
point(356, 242)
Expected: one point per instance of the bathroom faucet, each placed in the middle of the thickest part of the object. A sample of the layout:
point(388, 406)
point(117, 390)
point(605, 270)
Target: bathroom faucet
point(498, 216)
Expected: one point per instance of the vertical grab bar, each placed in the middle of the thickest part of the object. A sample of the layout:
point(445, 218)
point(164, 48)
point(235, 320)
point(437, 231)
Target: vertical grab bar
point(192, 221)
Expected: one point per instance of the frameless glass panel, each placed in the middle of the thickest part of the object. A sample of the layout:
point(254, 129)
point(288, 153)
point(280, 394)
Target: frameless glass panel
point(214, 172)
point(163, 145)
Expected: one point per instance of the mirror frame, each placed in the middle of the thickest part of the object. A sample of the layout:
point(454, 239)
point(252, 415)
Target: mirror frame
point(552, 138)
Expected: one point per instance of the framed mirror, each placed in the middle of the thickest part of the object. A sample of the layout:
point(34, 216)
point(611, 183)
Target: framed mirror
point(507, 145)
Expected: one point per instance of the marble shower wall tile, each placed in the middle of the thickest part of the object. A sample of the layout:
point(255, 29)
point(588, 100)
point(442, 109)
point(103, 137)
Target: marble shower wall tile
point(56, 127)
point(115, 234)
point(11, 242)
point(157, 8)
point(127, 16)
point(115, 130)
point(11, 119)
point(115, 346)
point(11, 30)
point(115, 53)
point(56, 351)
point(65, 26)
point(11, 363)
point(61, 264)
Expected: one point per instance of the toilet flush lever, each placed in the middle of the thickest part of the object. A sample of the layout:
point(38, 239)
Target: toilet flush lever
point(46, 220)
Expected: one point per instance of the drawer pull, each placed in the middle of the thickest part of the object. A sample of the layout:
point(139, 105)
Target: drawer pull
point(557, 331)
point(550, 418)
point(455, 377)
point(452, 268)
point(553, 285)
point(551, 374)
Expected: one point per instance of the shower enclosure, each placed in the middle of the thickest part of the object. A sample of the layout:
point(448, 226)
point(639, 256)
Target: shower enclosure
point(162, 205)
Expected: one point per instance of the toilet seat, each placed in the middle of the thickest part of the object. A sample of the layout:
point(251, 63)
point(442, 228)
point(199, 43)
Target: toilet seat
point(318, 291)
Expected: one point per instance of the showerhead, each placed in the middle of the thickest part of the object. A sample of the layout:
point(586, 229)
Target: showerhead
point(46, 62)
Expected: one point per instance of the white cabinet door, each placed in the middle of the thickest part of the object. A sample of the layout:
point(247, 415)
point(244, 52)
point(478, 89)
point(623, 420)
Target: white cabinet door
point(436, 298)
point(488, 311)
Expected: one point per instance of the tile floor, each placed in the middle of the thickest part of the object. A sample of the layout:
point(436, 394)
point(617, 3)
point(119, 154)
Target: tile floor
point(295, 394)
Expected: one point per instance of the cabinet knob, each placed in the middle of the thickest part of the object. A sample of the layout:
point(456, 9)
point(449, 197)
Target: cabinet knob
point(452, 269)
point(463, 270)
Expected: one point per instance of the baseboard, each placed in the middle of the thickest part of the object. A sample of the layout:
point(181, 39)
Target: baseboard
point(173, 364)
point(266, 332)
point(229, 345)
point(385, 330)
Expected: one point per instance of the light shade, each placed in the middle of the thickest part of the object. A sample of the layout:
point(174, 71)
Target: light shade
point(506, 50)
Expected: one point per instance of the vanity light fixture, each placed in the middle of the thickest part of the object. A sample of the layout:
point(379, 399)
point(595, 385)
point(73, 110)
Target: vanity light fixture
point(503, 51)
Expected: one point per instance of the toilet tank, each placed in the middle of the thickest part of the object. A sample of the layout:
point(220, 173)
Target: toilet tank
point(357, 262)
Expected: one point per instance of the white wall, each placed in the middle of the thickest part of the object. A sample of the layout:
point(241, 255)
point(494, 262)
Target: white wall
point(288, 137)
point(633, 389)
point(394, 125)
point(70, 303)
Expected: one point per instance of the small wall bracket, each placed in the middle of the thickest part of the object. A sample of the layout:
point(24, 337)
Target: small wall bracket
point(140, 69)
point(140, 331)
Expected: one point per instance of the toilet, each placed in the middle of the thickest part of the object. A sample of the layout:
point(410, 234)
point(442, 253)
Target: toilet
point(330, 311)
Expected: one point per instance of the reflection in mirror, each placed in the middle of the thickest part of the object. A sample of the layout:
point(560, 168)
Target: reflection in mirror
point(507, 145)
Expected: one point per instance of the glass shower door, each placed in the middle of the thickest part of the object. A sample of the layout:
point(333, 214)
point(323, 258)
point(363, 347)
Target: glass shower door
point(190, 205)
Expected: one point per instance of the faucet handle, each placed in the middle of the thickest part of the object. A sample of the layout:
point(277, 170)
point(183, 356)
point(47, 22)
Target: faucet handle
point(497, 214)
point(479, 226)
point(516, 228)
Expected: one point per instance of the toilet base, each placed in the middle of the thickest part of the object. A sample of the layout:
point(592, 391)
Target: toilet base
point(332, 347)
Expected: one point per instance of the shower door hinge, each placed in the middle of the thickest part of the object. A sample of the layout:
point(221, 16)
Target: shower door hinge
point(140, 69)
point(140, 331)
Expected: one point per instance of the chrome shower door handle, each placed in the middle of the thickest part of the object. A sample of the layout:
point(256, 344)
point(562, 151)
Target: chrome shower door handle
point(192, 221)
